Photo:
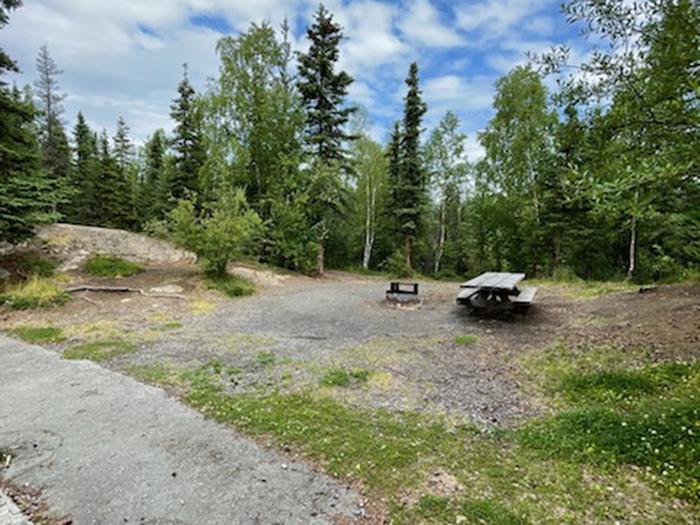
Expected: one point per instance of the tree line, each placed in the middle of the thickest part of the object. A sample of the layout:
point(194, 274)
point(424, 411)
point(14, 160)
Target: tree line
point(597, 178)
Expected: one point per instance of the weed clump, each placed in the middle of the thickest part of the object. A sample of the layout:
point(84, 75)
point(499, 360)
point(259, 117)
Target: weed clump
point(36, 292)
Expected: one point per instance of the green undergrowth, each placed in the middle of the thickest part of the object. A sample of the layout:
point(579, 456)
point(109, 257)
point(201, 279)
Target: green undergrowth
point(34, 293)
point(341, 377)
point(230, 285)
point(108, 266)
point(619, 445)
point(33, 263)
point(38, 334)
point(466, 340)
point(99, 350)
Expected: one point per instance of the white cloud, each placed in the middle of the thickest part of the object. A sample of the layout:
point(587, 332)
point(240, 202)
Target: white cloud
point(422, 25)
point(494, 18)
point(459, 93)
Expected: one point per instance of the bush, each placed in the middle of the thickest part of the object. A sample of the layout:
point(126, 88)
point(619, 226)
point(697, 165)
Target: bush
point(223, 232)
point(108, 266)
point(396, 265)
point(36, 292)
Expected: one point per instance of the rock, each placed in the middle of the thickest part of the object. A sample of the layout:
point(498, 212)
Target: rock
point(168, 288)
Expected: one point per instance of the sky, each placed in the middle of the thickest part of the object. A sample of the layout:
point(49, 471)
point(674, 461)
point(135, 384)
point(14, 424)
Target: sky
point(124, 57)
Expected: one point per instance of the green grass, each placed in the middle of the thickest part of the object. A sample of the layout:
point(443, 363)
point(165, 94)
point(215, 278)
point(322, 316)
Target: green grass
point(32, 263)
point(172, 325)
point(108, 266)
point(157, 373)
point(466, 340)
point(438, 509)
point(584, 463)
point(38, 334)
point(231, 285)
point(344, 378)
point(36, 292)
point(99, 350)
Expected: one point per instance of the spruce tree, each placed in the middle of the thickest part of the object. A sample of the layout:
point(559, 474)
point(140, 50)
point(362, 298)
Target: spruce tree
point(27, 195)
point(152, 179)
point(394, 179)
point(187, 141)
point(413, 180)
point(124, 178)
point(323, 90)
point(84, 173)
point(56, 154)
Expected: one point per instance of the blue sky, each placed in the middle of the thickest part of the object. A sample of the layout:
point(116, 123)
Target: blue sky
point(124, 57)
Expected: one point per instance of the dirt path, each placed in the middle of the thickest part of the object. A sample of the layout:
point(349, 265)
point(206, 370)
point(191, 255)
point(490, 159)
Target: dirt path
point(106, 449)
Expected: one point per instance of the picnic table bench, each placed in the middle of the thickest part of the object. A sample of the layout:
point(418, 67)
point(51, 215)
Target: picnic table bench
point(496, 291)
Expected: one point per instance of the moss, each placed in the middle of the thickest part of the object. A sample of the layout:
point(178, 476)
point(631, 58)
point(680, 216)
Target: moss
point(108, 266)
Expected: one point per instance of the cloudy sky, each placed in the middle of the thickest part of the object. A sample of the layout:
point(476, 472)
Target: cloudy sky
point(124, 57)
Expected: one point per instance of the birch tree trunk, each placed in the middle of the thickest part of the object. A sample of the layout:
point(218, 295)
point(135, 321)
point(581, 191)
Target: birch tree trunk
point(441, 239)
point(369, 225)
point(633, 247)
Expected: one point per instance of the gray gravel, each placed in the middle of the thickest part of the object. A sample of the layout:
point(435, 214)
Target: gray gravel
point(106, 449)
point(312, 325)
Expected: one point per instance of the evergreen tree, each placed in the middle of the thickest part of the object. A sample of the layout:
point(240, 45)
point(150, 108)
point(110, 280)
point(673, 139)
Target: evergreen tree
point(412, 175)
point(27, 195)
point(323, 90)
point(123, 148)
point(84, 173)
point(187, 141)
point(56, 154)
point(152, 179)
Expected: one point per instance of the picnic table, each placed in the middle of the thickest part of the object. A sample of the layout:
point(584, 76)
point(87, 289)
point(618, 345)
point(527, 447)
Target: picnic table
point(496, 291)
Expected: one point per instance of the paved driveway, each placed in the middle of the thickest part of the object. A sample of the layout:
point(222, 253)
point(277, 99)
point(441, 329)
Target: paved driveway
point(107, 449)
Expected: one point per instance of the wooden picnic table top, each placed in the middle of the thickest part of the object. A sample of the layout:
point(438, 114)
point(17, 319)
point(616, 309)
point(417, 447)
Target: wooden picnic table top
point(495, 280)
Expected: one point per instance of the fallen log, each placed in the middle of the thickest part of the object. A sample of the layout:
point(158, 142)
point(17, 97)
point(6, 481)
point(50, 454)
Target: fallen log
point(119, 289)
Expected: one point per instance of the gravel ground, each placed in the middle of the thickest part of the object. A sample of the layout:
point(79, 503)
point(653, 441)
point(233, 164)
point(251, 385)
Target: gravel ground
point(308, 326)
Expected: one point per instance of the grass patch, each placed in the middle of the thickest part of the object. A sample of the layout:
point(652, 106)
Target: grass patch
point(108, 266)
point(172, 325)
point(466, 340)
point(339, 377)
point(36, 292)
point(230, 285)
point(99, 350)
point(507, 476)
point(38, 334)
point(438, 509)
point(32, 263)
point(157, 373)
point(265, 358)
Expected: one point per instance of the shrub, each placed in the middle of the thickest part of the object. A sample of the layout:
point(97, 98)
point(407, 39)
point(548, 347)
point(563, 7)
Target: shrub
point(108, 266)
point(38, 334)
point(222, 232)
point(396, 265)
point(36, 292)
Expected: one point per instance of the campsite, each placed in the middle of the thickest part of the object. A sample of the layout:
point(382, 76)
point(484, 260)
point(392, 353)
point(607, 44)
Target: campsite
point(402, 262)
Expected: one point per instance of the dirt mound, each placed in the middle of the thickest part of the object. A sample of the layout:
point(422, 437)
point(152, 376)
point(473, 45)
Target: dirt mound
point(72, 244)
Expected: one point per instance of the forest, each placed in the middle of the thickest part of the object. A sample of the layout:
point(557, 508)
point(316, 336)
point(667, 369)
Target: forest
point(598, 178)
